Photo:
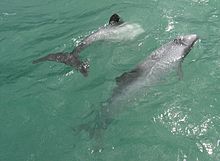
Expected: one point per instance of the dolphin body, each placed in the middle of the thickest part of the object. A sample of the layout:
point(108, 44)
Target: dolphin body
point(115, 30)
point(156, 66)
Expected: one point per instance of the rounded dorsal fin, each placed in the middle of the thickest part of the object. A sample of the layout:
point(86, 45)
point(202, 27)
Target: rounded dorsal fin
point(115, 19)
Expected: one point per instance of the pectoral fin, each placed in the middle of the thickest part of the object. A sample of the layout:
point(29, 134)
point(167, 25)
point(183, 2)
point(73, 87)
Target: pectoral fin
point(180, 71)
point(127, 77)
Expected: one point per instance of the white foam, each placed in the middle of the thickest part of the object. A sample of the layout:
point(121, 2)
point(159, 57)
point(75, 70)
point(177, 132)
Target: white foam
point(8, 14)
point(170, 25)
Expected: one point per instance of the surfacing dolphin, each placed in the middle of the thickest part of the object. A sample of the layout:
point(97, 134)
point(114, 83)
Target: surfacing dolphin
point(116, 30)
point(156, 66)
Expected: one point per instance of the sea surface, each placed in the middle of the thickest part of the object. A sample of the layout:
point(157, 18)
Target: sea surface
point(41, 104)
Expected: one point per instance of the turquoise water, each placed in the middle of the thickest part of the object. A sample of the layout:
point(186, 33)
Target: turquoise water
point(41, 104)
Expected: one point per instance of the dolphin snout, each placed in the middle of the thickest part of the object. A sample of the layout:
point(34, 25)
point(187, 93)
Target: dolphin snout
point(191, 38)
point(194, 37)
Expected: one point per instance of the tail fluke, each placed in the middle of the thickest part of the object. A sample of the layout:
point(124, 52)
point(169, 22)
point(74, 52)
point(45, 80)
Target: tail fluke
point(58, 57)
point(95, 133)
point(95, 124)
point(68, 59)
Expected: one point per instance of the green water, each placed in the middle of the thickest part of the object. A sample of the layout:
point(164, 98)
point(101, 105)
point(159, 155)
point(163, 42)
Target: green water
point(41, 104)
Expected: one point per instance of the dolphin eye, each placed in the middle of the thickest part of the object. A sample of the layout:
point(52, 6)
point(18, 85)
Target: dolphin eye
point(179, 41)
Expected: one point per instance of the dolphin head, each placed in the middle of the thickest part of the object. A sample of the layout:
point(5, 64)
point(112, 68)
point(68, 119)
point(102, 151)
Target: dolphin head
point(186, 42)
point(115, 19)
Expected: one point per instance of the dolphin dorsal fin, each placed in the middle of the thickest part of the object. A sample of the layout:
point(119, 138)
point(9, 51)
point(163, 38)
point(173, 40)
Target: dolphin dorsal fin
point(115, 19)
point(127, 77)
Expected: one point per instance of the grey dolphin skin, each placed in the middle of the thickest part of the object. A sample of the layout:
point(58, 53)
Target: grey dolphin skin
point(72, 59)
point(156, 66)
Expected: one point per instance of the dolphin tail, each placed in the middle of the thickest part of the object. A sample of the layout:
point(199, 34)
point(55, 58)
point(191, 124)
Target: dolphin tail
point(95, 128)
point(67, 58)
point(95, 133)
point(89, 127)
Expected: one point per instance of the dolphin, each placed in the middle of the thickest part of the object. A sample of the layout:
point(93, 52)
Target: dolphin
point(147, 73)
point(116, 29)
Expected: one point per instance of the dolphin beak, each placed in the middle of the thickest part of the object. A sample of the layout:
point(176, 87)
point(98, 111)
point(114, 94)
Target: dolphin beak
point(190, 41)
point(193, 38)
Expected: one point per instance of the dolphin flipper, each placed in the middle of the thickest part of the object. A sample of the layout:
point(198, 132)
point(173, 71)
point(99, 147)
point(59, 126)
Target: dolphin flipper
point(180, 71)
point(128, 77)
point(66, 58)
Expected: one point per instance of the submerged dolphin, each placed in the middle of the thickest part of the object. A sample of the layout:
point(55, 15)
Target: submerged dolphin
point(156, 66)
point(115, 30)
